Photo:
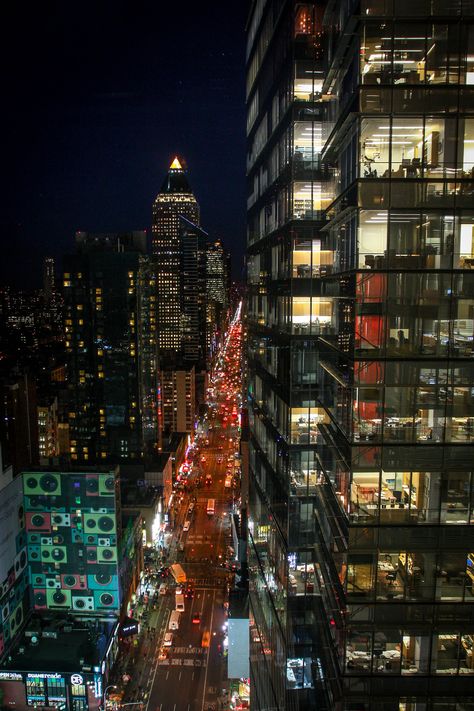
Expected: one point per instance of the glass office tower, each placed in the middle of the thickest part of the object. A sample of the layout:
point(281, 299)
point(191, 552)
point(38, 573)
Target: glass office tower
point(193, 252)
point(287, 310)
point(361, 333)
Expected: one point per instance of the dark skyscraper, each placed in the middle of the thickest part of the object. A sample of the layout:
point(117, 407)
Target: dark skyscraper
point(175, 199)
point(110, 342)
point(193, 253)
point(361, 332)
point(49, 278)
point(217, 291)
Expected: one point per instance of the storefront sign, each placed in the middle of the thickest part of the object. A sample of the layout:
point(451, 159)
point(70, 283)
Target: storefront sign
point(10, 676)
point(77, 679)
point(129, 627)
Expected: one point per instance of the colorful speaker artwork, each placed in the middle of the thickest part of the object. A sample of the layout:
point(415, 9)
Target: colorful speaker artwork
point(71, 541)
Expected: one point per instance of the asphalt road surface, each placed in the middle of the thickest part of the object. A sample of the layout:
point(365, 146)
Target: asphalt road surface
point(192, 677)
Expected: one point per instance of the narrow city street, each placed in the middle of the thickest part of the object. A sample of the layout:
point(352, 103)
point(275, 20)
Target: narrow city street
point(185, 669)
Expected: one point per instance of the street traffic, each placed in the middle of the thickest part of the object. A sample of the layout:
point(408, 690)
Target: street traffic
point(182, 665)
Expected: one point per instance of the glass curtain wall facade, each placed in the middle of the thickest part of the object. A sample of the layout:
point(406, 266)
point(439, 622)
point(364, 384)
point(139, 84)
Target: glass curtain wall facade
point(361, 333)
point(217, 294)
point(396, 378)
point(193, 251)
point(286, 312)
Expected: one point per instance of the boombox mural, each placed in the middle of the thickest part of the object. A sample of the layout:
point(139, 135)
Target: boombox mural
point(71, 529)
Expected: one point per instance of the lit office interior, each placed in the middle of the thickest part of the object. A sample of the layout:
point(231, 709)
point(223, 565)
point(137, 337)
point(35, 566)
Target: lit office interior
point(414, 239)
point(307, 142)
point(411, 575)
point(406, 652)
point(308, 81)
point(412, 496)
point(404, 53)
point(312, 314)
point(310, 259)
point(428, 414)
point(417, 147)
point(309, 200)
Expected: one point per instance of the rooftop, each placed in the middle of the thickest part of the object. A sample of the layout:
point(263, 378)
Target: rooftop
point(74, 645)
point(139, 496)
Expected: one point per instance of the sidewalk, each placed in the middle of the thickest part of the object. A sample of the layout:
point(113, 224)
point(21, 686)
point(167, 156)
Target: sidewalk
point(142, 649)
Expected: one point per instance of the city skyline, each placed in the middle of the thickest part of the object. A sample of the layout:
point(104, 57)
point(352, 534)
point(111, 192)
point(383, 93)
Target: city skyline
point(221, 495)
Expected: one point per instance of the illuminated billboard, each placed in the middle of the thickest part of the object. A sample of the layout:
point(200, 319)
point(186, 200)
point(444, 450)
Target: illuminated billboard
point(71, 529)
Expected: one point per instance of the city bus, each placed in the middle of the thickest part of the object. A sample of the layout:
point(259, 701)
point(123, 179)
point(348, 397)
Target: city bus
point(211, 507)
point(173, 623)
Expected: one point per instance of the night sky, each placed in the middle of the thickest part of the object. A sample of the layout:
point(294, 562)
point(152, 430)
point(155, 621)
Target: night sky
point(97, 99)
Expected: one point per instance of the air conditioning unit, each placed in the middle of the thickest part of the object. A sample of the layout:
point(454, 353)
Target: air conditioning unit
point(31, 633)
point(50, 634)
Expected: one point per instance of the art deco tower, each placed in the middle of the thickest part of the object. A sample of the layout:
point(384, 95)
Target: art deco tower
point(174, 199)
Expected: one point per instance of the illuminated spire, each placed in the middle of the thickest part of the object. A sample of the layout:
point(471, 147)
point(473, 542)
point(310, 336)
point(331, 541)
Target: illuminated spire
point(176, 180)
point(176, 165)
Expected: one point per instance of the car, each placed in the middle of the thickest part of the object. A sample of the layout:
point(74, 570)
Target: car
point(196, 618)
point(189, 592)
point(168, 640)
point(163, 654)
point(186, 526)
point(206, 639)
point(163, 589)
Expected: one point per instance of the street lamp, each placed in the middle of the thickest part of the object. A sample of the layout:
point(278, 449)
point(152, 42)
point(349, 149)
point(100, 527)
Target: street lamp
point(104, 695)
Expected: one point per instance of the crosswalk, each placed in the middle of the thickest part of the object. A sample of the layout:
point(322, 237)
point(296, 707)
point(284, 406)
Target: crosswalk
point(208, 582)
point(185, 657)
point(179, 662)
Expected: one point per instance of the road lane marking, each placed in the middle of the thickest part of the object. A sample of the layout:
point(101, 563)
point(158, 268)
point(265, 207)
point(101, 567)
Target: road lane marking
point(208, 653)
